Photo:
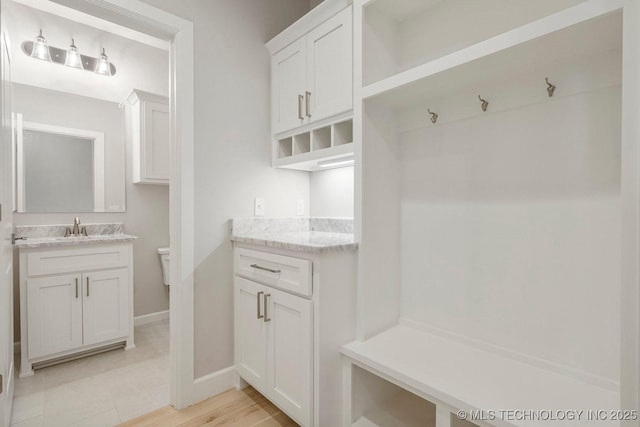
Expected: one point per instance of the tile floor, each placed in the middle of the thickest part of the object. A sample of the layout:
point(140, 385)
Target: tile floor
point(102, 390)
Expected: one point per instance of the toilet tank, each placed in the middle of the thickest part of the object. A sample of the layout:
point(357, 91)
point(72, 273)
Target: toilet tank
point(164, 261)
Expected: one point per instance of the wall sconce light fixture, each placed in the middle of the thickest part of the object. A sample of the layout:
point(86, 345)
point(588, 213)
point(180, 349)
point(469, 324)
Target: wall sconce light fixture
point(40, 48)
point(70, 57)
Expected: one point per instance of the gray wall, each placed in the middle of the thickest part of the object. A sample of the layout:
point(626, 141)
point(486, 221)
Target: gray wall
point(314, 3)
point(147, 214)
point(232, 150)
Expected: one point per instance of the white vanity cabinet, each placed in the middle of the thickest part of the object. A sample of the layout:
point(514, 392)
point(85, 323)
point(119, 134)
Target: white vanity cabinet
point(74, 299)
point(311, 68)
point(151, 137)
point(292, 312)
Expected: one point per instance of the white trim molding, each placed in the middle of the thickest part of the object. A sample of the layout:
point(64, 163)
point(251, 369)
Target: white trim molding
point(98, 156)
point(214, 383)
point(145, 319)
point(179, 32)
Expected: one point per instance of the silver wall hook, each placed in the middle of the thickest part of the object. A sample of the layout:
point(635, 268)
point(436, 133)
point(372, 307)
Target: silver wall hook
point(485, 103)
point(550, 88)
point(434, 116)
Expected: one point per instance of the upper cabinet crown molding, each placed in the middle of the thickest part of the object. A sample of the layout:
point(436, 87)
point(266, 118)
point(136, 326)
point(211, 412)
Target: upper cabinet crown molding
point(308, 22)
point(151, 137)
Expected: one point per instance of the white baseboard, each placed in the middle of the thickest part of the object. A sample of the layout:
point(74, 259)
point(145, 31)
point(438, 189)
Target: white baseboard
point(214, 383)
point(150, 318)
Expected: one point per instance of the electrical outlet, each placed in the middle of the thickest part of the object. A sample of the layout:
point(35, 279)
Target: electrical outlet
point(258, 206)
point(300, 207)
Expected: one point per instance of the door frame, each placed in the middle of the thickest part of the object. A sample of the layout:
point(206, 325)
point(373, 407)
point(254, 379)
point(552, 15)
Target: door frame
point(179, 33)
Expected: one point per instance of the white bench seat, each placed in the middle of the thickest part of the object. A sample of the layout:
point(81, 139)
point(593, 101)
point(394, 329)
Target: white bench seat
point(469, 378)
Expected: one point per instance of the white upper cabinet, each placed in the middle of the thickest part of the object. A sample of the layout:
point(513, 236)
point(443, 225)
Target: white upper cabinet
point(288, 68)
point(151, 137)
point(311, 68)
point(329, 68)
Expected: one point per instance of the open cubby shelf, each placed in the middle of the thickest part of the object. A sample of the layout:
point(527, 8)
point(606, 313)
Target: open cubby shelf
point(462, 376)
point(480, 231)
point(304, 150)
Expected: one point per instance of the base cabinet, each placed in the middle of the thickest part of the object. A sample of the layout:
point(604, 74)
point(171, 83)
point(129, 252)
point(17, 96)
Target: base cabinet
point(274, 340)
point(106, 302)
point(290, 326)
point(250, 333)
point(74, 300)
point(54, 314)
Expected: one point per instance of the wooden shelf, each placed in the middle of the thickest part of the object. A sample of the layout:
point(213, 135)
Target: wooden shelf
point(467, 377)
point(586, 29)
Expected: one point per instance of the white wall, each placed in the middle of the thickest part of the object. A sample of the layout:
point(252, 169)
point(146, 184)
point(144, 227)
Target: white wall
point(232, 150)
point(511, 229)
point(331, 193)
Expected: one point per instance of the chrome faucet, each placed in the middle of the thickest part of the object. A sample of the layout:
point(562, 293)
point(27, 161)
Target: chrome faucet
point(77, 230)
point(76, 227)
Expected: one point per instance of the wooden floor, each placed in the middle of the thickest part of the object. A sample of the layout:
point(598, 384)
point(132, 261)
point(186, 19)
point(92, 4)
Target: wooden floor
point(244, 408)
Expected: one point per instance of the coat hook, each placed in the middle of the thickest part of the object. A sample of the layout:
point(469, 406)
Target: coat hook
point(550, 88)
point(485, 103)
point(434, 116)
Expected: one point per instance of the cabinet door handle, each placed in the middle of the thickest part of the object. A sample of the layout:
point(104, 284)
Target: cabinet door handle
point(270, 270)
point(300, 100)
point(76, 288)
point(260, 316)
point(266, 305)
point(308, 103)
point(87, 286)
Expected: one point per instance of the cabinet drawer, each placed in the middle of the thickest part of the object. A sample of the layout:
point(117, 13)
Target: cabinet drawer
point(284, 272)
point(77, 259)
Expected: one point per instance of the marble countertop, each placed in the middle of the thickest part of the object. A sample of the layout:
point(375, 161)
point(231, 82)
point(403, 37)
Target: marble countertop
point(48, 242)
point(305, 241)
point(296, 234)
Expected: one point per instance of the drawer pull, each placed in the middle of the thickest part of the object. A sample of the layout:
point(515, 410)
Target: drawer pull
point(260, 316)
point(300, 101)
point(307, 97)
point(76, 288)
point(270, 270)
point(87, 286)
point(266, 305)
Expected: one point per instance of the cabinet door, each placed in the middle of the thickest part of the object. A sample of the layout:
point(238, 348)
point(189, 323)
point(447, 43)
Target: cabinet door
point(289, 354)
point(156, 142)
point(288, 74)
point(54, 314)
point(250, 333)
point(329, 67)
point(106, 305)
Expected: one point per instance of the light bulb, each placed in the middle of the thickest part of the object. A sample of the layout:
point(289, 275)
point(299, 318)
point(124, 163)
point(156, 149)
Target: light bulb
point(73, 57)
point(103, 67)
point(41, 48)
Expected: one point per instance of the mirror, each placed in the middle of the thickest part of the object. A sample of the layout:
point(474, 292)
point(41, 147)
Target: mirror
point(69, 152)
point(59, 169)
